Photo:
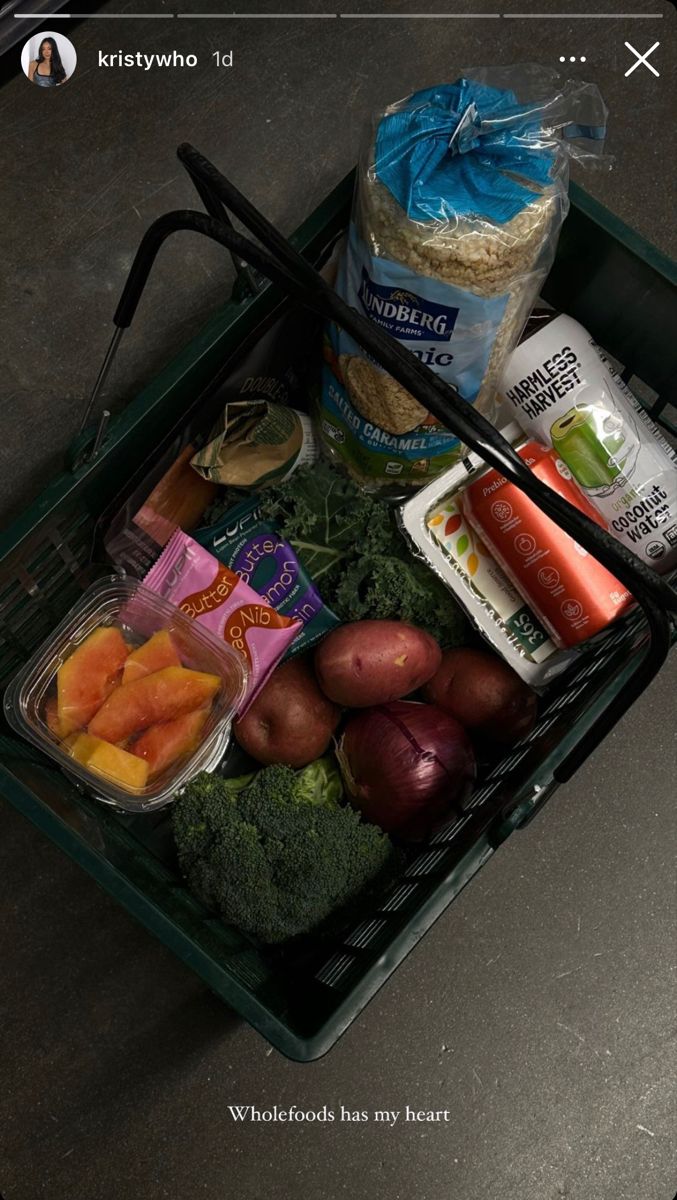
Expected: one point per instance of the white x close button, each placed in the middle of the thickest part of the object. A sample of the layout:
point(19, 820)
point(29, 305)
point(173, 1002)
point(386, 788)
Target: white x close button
point(642, 59)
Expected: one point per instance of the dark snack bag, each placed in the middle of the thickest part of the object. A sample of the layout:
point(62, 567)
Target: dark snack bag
point(146, 521)
point(254, 550)
point(273, 372)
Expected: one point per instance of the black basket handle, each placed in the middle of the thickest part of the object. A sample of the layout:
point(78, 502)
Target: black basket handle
point(447, 404)
point(278, 261)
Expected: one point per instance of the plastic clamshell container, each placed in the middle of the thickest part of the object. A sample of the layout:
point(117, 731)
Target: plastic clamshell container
point(138, 613)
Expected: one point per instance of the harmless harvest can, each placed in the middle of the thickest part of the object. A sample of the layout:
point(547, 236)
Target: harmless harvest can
point(572, 594)
point(564, 394)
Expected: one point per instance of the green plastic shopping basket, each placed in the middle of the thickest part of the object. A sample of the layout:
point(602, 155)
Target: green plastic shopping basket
point(623, 290)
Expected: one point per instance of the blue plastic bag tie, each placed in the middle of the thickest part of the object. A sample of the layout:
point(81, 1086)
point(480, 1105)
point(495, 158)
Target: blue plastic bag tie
point(454, 150)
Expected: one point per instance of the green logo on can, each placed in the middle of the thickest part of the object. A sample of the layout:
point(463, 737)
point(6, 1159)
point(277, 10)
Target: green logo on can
point(592, 443)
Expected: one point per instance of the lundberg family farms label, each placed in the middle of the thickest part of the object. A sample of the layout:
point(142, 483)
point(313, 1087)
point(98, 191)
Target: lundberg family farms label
point(378, 426)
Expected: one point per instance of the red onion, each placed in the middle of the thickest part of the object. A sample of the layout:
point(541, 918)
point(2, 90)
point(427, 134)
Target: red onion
point(405, 765)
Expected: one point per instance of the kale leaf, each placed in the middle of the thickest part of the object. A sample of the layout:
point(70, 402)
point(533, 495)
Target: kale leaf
point(350, 543)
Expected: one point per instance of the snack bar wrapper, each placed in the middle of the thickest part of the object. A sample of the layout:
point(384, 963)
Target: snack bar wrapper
point(209, 592)
point(254, 549)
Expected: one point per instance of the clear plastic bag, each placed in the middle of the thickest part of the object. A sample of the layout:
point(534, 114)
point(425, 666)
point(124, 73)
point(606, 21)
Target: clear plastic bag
point(461, 194)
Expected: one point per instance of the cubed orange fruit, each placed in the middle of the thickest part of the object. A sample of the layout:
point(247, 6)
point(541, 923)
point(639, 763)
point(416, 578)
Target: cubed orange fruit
point(162, 696)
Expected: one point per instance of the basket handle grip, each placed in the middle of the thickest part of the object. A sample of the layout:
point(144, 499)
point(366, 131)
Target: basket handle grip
point(190, 221)
point(457, 414)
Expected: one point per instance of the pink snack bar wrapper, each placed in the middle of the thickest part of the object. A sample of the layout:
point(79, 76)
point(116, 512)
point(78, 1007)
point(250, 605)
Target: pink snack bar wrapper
point(203, 588)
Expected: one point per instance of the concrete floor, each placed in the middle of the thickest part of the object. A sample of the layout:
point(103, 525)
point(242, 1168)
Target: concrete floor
point(539, 1009)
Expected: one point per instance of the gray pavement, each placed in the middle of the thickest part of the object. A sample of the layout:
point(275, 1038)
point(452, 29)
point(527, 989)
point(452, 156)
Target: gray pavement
point(540, 1009)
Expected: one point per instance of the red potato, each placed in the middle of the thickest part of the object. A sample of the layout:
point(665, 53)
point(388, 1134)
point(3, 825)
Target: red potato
point(484, 694)
point(291, 721)
point(374, 662)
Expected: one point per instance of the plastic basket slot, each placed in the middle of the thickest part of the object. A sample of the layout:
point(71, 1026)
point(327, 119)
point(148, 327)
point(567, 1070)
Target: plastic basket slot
point(450, 829)
point(554, 706)
point(17, 597)
point(591, 668)
point(22, 640)
point(49, 588)
point(243, 957)
point(643, 637)
point(523, 741)
point(335, 969)
point(58, 592)
point(61, 560)
point(650, 400)
point(640, 633)
point(67, 542)
point(613, 640)
point(634, 623)
point(500, 769)
point(566, 698)
point(33, 602)
point(575, 679)
point(244, 961)
point(506, 765)
point(249, 968)
point(572, 695)
point(532, 736)
point(13, 644)
point(213, 922)
point(66, 551)
point(43, 561)
point(177, 886)
point(483, 794)
point(658, 406)
point(20, 613)
point(605, 652)
point(58, 549)
point(27, 582)
point(426, 863)
point(366, 933)
point(544, 726)
point(398, 899)
point(664, 411)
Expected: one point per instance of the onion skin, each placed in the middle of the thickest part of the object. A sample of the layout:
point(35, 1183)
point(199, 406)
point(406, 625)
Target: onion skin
point(406, 766)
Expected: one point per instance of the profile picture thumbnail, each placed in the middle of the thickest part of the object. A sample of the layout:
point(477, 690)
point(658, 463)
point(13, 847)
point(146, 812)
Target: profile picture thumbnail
point(48, 59)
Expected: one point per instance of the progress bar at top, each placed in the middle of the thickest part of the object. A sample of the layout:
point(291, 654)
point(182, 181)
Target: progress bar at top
point(61, 16)
point(271, 16)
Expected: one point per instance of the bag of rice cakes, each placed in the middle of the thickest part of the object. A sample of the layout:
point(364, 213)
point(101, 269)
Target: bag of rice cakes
point(460, 197)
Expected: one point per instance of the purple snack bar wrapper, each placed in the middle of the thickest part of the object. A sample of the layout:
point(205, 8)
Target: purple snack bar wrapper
point(256, 551)
point(209, 592)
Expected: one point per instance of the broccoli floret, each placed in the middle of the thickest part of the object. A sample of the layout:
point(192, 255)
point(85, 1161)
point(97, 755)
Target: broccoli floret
point(273, 857)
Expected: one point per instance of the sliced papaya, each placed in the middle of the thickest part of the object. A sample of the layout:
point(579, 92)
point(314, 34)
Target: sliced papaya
point(86, 678)
point(82, 746)
point(164, 743)
point(113, 762)
point(52, 716)
point(158, 652)
point(162, 696)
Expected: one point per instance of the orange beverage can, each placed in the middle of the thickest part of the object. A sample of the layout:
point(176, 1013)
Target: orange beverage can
point(573, 595)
